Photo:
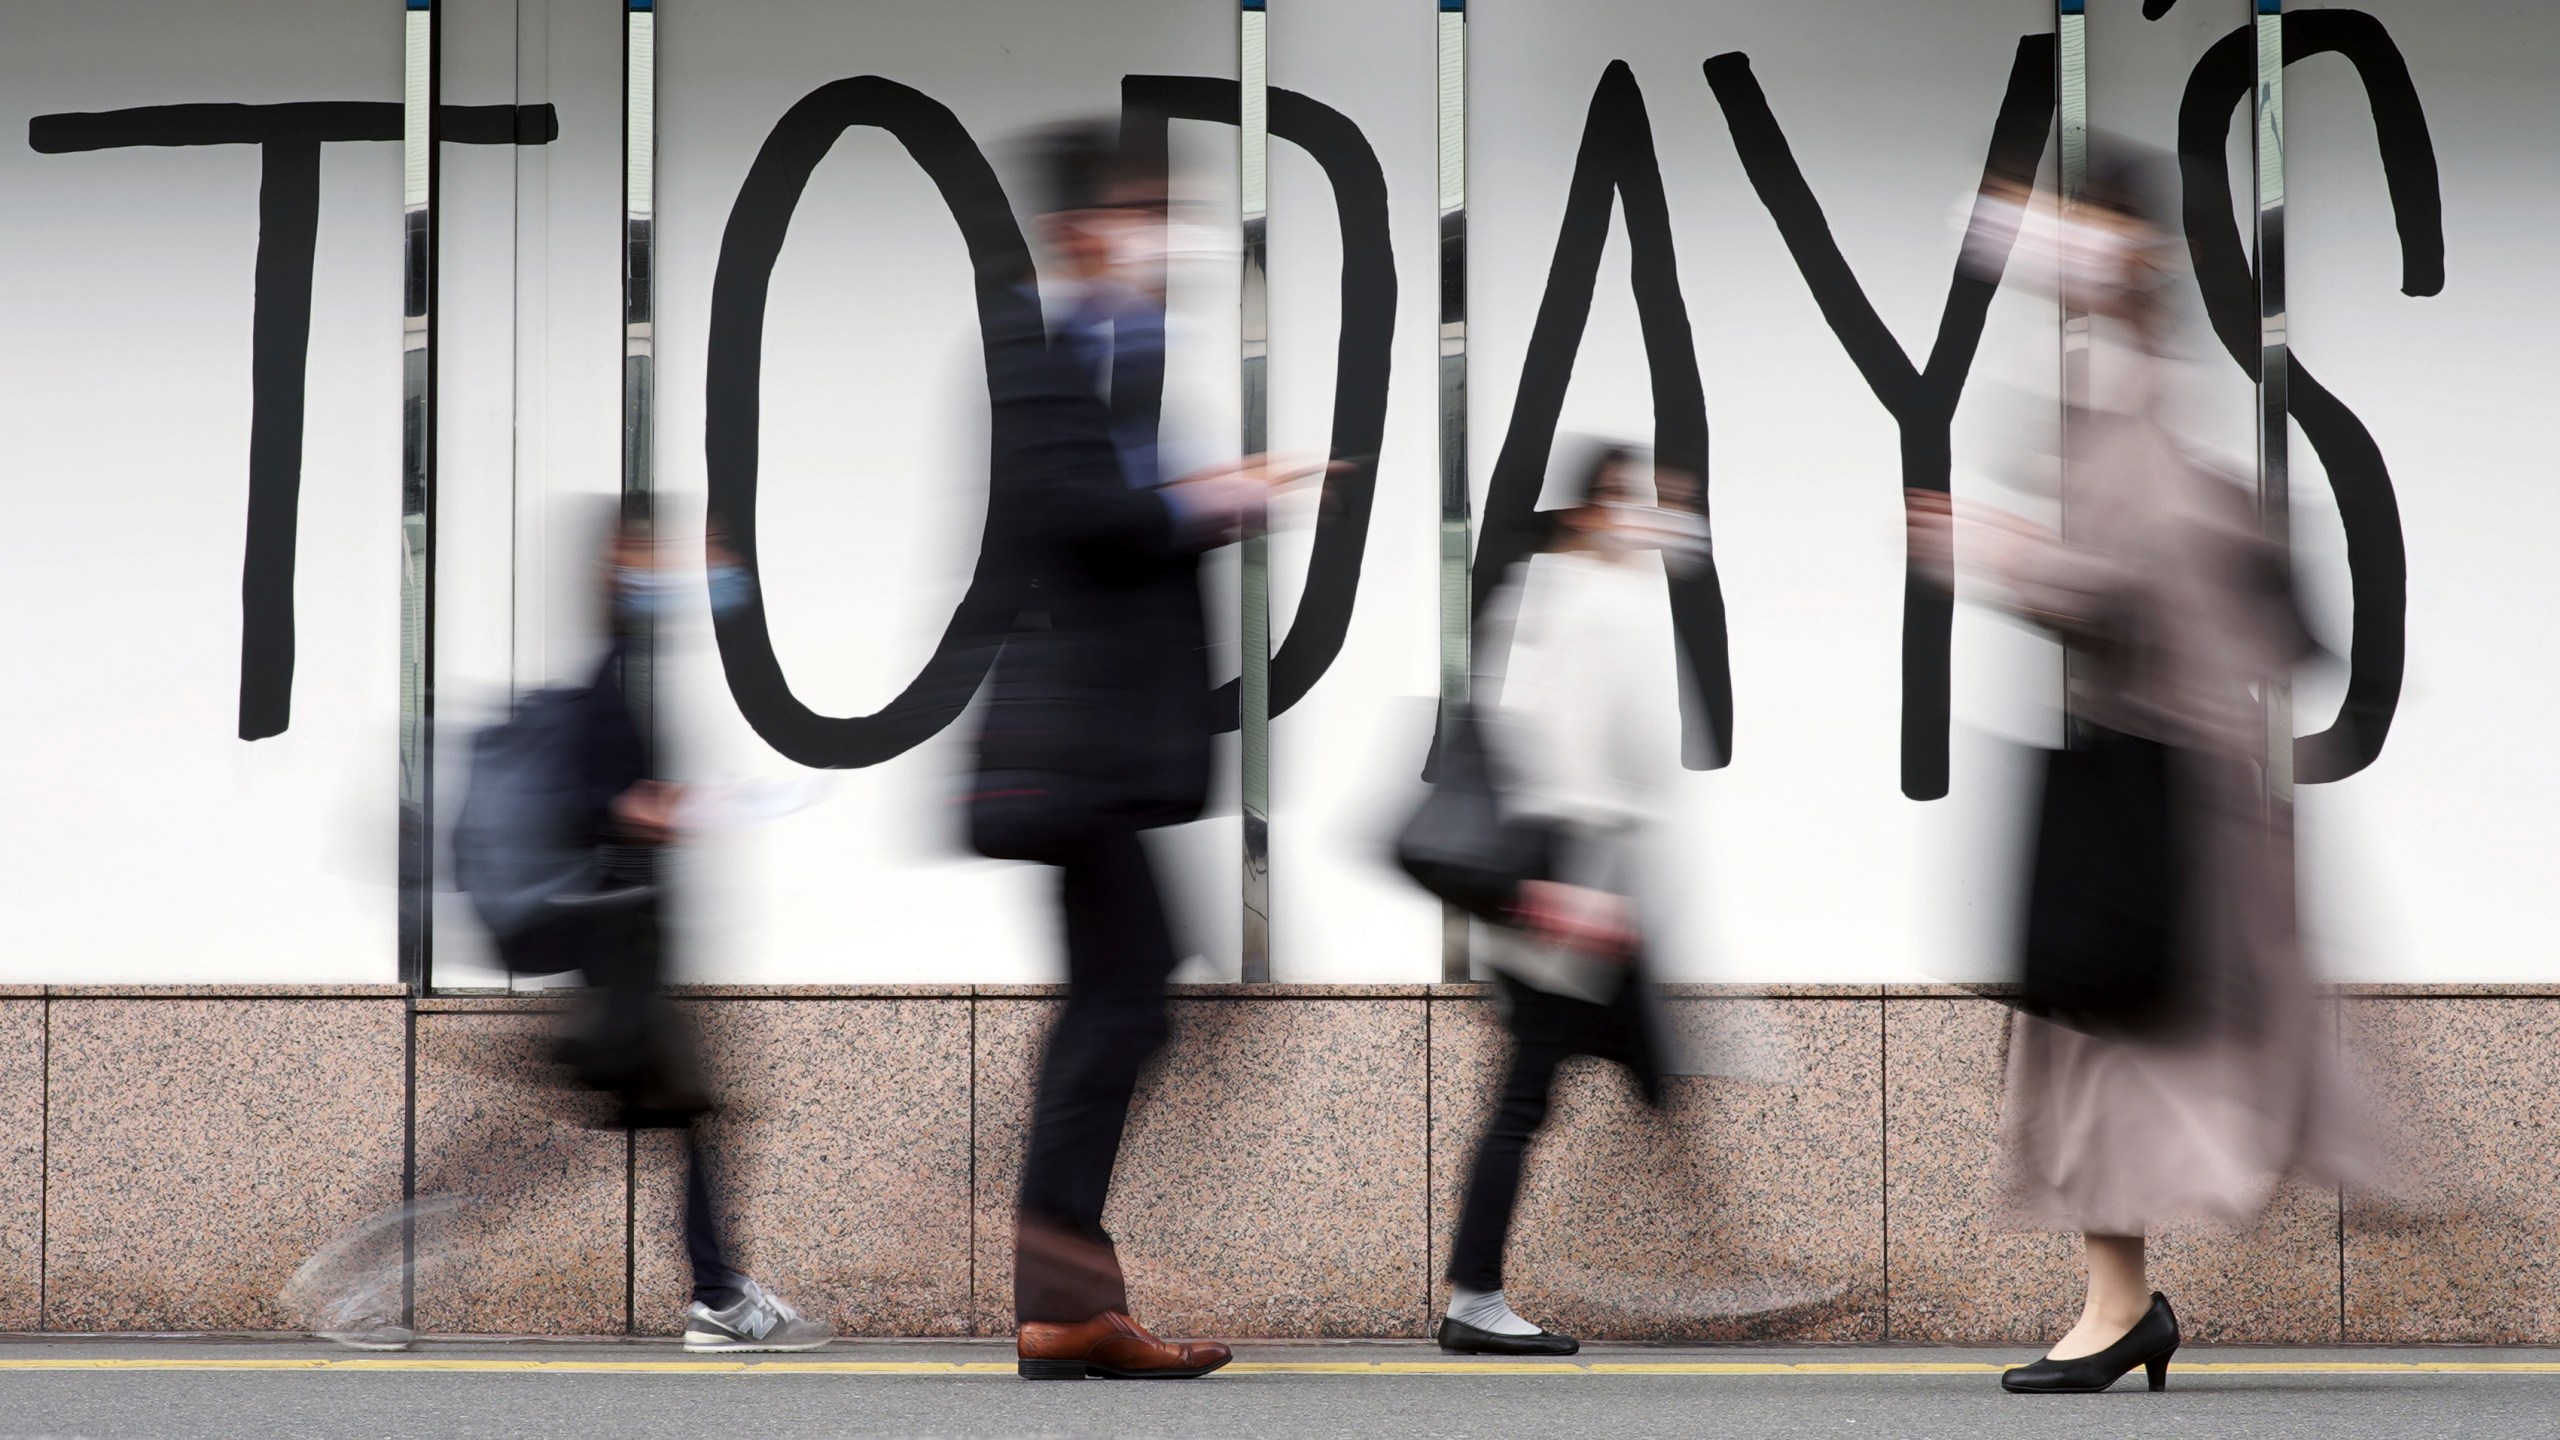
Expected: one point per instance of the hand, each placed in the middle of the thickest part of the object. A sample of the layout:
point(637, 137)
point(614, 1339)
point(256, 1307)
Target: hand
point(1577, 917)
point(1236, 492)
point(1993, 535)
point(1278, 472)
point(1930, 527)
point(646, 813)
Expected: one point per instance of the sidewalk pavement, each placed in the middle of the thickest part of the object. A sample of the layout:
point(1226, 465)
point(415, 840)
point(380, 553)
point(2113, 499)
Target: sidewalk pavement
point(109, 1389)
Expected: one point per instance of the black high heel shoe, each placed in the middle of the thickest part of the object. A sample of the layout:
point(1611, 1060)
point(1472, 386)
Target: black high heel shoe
point(2148, 1346)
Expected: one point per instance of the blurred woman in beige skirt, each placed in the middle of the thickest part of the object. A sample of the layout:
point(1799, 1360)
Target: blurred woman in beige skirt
point(2178, 612)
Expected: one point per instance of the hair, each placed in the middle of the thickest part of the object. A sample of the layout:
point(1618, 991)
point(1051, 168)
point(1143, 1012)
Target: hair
point(1579, 481)
point(2132, 179)
point(1075, 164)
point(1594, 461)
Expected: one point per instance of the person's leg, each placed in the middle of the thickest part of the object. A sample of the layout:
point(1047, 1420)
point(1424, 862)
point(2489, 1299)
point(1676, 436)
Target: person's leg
point(2119, 1294)
point(1493, 1181)
point(715, 1283)
point(1119, 953)
point(730, 1312)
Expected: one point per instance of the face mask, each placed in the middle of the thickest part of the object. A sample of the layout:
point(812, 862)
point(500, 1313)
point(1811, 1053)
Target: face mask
point(660, 593)
point(731, 588)
point(1678, 534)
point(642, 590)
point(1144, 251)
point(2039, 243)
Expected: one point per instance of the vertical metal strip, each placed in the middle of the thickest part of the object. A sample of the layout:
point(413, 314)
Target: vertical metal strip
point(1456, 508)
point(418, 110)
point(415, 941)
point(2071, 89)
point(1254, 326)
point(639, 308)
point(2071, 57)
point(2274, 363)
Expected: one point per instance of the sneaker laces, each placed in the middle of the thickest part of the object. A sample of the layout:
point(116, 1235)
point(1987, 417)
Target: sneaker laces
point(765, 1306)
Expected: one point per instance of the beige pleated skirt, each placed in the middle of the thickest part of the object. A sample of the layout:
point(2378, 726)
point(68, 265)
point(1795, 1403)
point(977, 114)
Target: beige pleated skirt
point(2115, 1136)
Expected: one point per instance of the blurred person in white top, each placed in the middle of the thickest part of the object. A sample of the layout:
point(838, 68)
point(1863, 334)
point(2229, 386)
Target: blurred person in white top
point(1580, 741)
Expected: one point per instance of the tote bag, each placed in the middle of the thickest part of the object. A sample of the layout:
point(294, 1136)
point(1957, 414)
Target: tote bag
point(1461, 844)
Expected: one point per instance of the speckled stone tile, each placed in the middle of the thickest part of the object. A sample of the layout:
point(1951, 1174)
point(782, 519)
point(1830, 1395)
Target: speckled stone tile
point(539, 1246)
point(198, 1150)
point(1273, 1180)
point(1959, 1274)
point(841, 1160)
point(2456, 1244)
point(1751, 1208)
point(21, 1163)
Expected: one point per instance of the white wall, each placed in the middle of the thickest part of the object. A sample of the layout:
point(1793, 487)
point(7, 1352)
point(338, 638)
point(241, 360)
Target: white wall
point(147, 842)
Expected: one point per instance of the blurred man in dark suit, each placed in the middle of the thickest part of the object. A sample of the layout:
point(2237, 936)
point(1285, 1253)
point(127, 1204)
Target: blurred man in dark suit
point(1097, 722)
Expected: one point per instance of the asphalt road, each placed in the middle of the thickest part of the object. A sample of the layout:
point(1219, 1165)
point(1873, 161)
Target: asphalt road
point(113, 1390)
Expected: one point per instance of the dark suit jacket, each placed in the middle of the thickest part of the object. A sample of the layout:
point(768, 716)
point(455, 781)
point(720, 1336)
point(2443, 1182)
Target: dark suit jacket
point(1097, 715)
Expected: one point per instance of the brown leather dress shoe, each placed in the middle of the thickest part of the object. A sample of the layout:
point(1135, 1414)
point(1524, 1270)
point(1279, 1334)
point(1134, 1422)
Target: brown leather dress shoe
point(1111, 1346)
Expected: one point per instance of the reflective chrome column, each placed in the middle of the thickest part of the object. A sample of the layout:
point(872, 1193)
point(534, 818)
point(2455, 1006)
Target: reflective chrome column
point(2266, 153)
point(1254, 326)
point(639, 342)
point(2071, 92)
point(1456, 541)
point(2071, 57)
point(417, 493)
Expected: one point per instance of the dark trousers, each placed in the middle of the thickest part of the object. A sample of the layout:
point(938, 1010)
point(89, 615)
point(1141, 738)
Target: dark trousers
point(633, 1044)
point(1546, 1031)
point(714, 1283)
point(1119, 953)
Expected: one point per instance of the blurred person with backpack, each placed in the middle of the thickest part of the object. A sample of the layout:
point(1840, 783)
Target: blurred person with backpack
point(561, 841)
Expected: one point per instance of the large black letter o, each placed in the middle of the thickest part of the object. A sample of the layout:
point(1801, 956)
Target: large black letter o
point(732, 410)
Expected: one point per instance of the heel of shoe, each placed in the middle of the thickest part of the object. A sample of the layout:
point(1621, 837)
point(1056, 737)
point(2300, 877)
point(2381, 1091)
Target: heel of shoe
point(2158, 1369)
point(1050, 1369)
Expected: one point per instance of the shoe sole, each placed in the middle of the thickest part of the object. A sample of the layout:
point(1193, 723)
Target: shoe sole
point(1079, 1370)
point(717, 1345)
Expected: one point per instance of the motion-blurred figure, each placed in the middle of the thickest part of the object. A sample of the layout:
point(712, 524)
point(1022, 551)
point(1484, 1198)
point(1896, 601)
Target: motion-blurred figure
point(1581, 750)
point(2177, 1068)
point(562, 842)
point(1097, 723)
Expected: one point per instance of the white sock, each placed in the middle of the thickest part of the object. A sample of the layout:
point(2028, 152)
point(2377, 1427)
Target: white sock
point(1486, 1310)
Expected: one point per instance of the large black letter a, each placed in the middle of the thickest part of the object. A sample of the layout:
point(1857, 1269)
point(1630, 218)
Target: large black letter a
point(1617, 158)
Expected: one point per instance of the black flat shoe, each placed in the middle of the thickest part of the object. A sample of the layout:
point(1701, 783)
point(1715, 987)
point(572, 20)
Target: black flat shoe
point(2147, 1346)
point(1460, 1338)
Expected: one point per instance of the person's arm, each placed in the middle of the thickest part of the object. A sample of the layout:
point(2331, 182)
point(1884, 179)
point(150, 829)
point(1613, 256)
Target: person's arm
point(2075, 591)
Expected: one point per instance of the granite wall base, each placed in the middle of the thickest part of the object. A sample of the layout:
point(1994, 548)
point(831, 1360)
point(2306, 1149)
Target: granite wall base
point(1822, 1169)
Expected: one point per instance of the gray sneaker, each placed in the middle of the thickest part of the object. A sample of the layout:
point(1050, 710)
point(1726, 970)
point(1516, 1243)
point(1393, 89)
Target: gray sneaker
point(360, 1334)
point(757, 1322)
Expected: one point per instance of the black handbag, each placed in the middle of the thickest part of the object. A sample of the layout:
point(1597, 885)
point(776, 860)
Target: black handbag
point(1461, 844)
point(2107, 897)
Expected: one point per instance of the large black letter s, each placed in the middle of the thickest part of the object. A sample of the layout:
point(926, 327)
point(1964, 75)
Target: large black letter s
point(2377, 561)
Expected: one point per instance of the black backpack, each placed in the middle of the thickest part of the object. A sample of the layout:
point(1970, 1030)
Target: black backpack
point(520, 847)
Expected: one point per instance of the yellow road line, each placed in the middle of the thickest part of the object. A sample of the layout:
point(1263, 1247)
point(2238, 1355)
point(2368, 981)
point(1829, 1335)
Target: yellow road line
point(421, 1364)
